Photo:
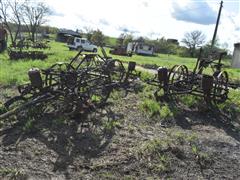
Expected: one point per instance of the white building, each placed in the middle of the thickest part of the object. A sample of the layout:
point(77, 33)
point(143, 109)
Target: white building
point(236, 56)
point(140, 48)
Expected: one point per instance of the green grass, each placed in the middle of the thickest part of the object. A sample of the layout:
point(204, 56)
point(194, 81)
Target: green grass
point(15, 72)
point(28, 126)
point(11, 173)
point(190, 100)
point(157, 154)
point(165, 112)
point(159, 59)
point(109, 126)
point(153, 108)
point(111, 41)
point(182, 137)
point(152, 153)
point(232, 105)
point(2, 108)
point(150, 107)
point(107, 175)
point(171, 60)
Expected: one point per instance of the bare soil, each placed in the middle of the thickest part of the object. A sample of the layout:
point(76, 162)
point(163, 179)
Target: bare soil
point(197, 145)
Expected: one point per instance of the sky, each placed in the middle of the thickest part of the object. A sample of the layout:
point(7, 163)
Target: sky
point(149, 18)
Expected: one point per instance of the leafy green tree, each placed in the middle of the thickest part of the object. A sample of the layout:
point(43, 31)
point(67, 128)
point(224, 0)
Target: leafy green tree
point(98, 38)
point(163, 46)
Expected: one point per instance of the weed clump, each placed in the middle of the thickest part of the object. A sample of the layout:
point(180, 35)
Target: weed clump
point(2, 108)
point(232, 106)
point(153, 108)
point(152, 155)
point(12, 173)
point(165, 112)
point(150, 107)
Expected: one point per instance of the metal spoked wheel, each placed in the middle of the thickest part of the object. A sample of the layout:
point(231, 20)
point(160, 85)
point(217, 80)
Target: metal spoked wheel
point(60, 67)
point(61, 105)
point(220, 88)
point(53, 74)
point(99, 89)
point(89, 62)
point(116, 70)
point(100, 117)
point(94, 87)
point(13, 104)
point(178, 79)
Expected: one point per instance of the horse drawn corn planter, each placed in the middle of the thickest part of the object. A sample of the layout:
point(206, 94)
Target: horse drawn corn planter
point(178, 80)
point(84, 83)
point(213, 87)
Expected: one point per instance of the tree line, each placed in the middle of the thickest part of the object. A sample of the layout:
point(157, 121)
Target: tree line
point(29, 16)
point(191, 43)
point(26, 15)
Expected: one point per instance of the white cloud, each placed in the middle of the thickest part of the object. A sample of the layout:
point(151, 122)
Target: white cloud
point(228, 29)
point(193, 12)
point(151, 18)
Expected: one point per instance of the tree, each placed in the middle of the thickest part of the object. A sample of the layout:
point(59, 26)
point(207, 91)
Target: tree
point(124, 39)
point(11, 13)
point(140, 39)
point(88, 32)
point(128, 39)
point(192, 40)
point(164, 46)
point(120, 39)
point(34, 15)
point(98, 38)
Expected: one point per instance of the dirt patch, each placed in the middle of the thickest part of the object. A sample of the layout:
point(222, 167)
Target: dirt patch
point(120, 142)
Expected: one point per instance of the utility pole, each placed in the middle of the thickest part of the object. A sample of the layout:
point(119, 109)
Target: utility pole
point(216, 27)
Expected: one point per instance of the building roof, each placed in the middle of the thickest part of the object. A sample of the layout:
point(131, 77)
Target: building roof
point(237, 45)
point(69, 32)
